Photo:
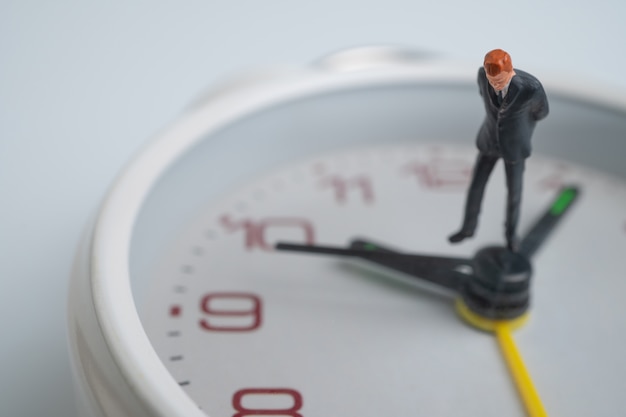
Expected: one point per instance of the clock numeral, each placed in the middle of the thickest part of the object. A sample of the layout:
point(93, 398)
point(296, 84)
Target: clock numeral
point(231, 312)
point(257, 233)
point(441, 174)
point(340, 186)
point(267, 401)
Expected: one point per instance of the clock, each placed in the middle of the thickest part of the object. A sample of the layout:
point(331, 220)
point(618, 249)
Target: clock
point(181, 305)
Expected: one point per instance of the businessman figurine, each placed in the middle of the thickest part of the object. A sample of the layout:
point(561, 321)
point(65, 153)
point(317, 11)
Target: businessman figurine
point(514, 102)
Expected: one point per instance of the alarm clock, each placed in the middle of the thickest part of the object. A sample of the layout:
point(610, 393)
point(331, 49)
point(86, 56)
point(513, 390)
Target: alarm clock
point(181, 306)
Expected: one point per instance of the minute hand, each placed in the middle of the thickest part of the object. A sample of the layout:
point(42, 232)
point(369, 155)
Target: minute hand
point(544, 226)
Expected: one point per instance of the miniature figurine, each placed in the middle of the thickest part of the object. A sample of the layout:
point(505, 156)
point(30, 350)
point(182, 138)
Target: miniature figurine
point(514, 101)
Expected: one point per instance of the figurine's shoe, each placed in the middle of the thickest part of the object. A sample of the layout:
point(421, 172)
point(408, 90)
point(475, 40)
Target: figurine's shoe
point(460, 235)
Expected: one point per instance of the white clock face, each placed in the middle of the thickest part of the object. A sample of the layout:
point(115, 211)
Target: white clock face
point(246, 330)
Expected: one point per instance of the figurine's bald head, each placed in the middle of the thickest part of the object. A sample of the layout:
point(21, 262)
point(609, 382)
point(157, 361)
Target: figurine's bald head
point(498, 68)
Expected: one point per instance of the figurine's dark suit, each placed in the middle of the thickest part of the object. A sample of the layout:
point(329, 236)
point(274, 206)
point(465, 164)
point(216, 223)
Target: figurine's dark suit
point(505, 133)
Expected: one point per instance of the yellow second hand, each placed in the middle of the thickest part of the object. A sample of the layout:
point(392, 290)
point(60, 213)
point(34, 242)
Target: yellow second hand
point(503, 330)
point(518, 370)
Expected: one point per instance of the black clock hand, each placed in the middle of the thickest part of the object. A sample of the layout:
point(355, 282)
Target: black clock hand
point(444, 271)
point(497, 286)
point(544, 226)
point(435, 269)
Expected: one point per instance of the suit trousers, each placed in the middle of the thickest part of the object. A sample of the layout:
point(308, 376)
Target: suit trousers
point(514, 181)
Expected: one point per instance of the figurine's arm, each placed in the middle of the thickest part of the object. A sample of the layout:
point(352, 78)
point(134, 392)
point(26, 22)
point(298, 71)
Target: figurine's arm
point(543, 108)
point(482, 79)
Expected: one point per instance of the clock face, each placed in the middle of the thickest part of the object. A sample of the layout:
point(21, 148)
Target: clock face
point(246, 330)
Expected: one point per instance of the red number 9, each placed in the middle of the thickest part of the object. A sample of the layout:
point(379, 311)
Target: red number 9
point(225, 313)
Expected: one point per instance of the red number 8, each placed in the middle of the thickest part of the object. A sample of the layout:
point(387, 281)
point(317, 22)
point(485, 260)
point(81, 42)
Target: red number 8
point(243, 411)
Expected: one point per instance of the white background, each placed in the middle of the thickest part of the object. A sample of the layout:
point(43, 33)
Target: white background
point(82, 86)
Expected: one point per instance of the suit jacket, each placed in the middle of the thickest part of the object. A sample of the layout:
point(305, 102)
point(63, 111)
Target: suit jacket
point(507, 128)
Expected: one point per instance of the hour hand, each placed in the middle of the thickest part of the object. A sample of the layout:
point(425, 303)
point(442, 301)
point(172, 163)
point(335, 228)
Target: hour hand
point(544, 226)
point(435, 269)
